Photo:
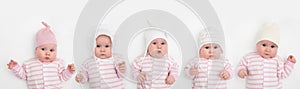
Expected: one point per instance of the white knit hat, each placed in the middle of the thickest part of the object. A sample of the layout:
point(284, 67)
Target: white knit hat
point(210, 35)
point(270, 32)
point(103, 30)
point(152, 33)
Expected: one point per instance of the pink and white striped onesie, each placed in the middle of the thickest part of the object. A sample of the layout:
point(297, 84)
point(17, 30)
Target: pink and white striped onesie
point(41, 75)
point(157, 70)
point(101, 74)
point(265, 73)
point(209, 73)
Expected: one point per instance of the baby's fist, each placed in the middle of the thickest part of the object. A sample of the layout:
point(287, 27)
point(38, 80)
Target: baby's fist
point(122, 67)
point(225, 75)
point(243, 73)
point(79, 78)
point(71, 68)
point(194, 71)
point(141, 77)
point(11, 64)
point(292, 59)
point(170, 80)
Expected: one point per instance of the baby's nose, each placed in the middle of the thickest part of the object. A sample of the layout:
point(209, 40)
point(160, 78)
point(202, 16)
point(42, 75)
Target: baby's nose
point(268, 49)
point(102, 49)
point(211, 51)
point(47, 53)
point(159, 46)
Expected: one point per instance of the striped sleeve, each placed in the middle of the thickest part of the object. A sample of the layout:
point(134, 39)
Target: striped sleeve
point(20, 71)
point(119, 73)
point(174, 69)
point(64, 73)
point(84, 71)
point(228, 68)
point(243, 64)
point(285, 69)
point(118, 59)
point(137, 66)
point(187, 68)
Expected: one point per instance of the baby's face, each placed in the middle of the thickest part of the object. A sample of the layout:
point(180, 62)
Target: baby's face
point(266, 49)
point(103, 47)
point(158, 48)
point(46, 53)
point(210, 51)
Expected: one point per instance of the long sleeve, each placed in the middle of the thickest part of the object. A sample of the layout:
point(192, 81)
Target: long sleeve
point(243, 64)
point(117, 60)
point(136, 67)
point(20, 71)
point(174, 69)
point(64, 73)
point(84, 73)
point(228, 68)
point(187, 68)
point(285, 69)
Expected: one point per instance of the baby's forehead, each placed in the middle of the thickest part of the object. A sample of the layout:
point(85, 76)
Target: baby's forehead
point(212, 44)
point(103, 38)
point(159, 39)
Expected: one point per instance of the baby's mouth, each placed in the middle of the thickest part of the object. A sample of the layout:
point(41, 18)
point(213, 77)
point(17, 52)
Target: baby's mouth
point(158, 51)
point(47, 58)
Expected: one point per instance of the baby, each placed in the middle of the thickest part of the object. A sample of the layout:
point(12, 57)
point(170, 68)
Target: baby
point(210, 69)
point(155, 69)
point(264, 68)
point(45, 71)
point(103, 71)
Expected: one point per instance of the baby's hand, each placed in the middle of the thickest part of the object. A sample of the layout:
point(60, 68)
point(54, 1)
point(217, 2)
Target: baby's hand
point(11, 64)
point(122, 67)
point(194, 71)
point(292, 59)
point(78, 78)
point(170, 80)
point(71, 68)
point(225, 75)
point(141, 77)
point(242, 73)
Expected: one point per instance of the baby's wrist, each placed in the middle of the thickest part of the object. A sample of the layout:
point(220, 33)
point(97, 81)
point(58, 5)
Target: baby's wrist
point(290, 63)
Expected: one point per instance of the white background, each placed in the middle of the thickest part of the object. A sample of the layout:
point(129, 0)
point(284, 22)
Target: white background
point(20, 20)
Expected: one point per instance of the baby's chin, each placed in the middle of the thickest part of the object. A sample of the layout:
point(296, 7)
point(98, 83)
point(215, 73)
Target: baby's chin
point(157, 55)
point(212, 57)
point(103, 56)
point(46, 60)
point(267, 56)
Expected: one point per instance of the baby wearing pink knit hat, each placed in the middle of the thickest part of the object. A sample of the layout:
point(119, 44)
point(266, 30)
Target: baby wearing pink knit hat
point(45, 70)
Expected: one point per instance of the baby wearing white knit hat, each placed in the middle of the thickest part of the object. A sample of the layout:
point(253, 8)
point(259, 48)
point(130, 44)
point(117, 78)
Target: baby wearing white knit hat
point(103, 67)
point(264, 67)
point(210, 69)
point(155, 68)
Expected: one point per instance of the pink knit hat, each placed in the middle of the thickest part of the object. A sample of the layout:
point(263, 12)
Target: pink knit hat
point(45, 36)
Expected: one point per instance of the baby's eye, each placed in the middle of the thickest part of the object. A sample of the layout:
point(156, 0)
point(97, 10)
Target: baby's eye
point(43, 49)
point(272, 46)
point(98, 46)
point(264, 45)
point(206, 47)
point(106, 46)
point(215, 47)
point(163, 43)
point(154, 43)
point(52, 50)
